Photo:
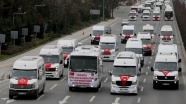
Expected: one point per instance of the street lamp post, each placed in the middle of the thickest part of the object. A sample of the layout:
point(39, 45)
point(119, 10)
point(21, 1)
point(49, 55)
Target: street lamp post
point(16, 13)
point(103, 9)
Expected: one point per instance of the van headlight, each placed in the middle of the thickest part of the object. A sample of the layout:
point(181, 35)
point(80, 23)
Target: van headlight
point(155, 76)
point(56, 68)
point(33, 85)
point(176, 77)
point(134, 82)
point(11, 85)
point(113, 82)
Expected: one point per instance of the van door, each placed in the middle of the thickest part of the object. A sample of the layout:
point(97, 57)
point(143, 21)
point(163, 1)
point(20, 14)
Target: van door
point(40, 78)
point(61, 63)
point(100, 69)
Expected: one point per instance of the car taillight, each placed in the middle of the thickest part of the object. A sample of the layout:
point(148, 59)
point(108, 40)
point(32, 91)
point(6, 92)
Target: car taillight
point(148, 46)
point(106, 52)
point(97, 37)
point(65, 56)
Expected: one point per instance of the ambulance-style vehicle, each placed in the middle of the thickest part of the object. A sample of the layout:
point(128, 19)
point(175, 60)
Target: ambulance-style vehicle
point(97, 32)
point(27, 77)
point(68, 46)
point(146, 15)
point(166, 34)
point(159, 4)
point(128, 31)
point(168, 14)
point(166, 70)
point(149, 28)
point(156, 15)
point(109, 46)
point(147, 42)
point(85, 68)
point(125, 73)
point(173, 48)
point(135, 45)
point(133, 15)
point(54, 61)
point(134, 8)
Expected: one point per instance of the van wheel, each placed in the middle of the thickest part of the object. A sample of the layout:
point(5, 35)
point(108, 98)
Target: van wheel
point(70, 89)
point(11, 96)
point(36, 95)
point(92, 42)
point(154, 85)
point(176, 86)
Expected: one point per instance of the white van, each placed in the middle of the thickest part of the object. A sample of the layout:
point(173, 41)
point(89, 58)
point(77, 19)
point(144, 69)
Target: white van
point(128, 31)
point(146, 15)
point(27, 77)
point(157, 9)
point(68, 46)
point(134, 7)
point(109, 46)
point(168, 14)
point(85, 68)
point(147, 42)
point(97, 33)
point(159, 4)
point(156, 15)
point(54, 61)
point(146, 8)
point(166, 70)
point(133, 15)
point(135, 45)
point(169, 48)
point(149, 28)
point(125, 73)
point(166, 34)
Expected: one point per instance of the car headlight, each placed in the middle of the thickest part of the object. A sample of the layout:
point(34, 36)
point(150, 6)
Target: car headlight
point(11, 85)
point(56, 68)
point(33, 85)
point(134, 82)
point(113, 82)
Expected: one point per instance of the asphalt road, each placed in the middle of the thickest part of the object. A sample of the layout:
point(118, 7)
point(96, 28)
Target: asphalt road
point(57, 90)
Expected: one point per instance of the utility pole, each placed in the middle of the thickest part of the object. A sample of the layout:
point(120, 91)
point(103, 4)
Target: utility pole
point(103, 9)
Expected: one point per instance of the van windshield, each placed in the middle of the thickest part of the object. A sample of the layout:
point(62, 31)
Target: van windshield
point(156, 14)
point(124, 70)
point(168, 13)
point(150, 31)
point(146, 41)
point(107, 45)
point(83, 64)
point(24, 73)
point(98, 32)
point(130, 32)
point(170, 66)
point(166, 33)
point(50, 59)
point(146, 14)
point(135, 50)
point(132, 14)
point(67, 49)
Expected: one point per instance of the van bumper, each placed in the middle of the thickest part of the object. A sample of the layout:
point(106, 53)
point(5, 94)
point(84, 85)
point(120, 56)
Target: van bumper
point(124, 90)
point(15, 92)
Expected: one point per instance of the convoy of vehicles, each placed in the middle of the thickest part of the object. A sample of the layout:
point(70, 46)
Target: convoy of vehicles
point(85, 62)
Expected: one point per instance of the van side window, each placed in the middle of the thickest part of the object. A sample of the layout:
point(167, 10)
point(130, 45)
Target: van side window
point(40, 71)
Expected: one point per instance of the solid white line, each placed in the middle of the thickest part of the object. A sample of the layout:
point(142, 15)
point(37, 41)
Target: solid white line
point(40, 97)
point(146, 73)
point(53, 87)
point(106, 80)
point(139, 99)
point(92, 99)
point(144, 80)
point(63, 79)
point(141, 89)
point(150, 57)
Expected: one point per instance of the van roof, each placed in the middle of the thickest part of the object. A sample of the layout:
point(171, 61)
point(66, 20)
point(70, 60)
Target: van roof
point(125, 62)
point(86, 50)
point(125, 55)
point(108, 38)
point(67, 42)
point(128, 27)
point(134, 43)
point(51, 50)
point(166, 57)
point(28, 62)
point(98, 27)
point(167, 48)
point(144, 35)
point(166, 28)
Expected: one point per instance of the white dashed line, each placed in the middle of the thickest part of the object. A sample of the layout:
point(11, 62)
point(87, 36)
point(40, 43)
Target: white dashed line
point(53, 87)
point(148, 67)
point(141, 89)
point(106, 80)
point(63, 79)
point(150, 57)
point(139, 100)
point(144, 80)
point(40, 97)
point(92, 99)
point(149, 62)
point(146, 73)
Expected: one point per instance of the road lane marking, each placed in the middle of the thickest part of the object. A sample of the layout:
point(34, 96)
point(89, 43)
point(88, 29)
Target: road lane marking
point(53, 87)
point(141, 89)
point(106, 80)
point(116, 100)
point(149, 62)
point(146, 73)
point(64, 100)
point(40, 97)
point(139, 100)
point(63, 79)
point(148, 67)
point(92, 99)
point(144, 80)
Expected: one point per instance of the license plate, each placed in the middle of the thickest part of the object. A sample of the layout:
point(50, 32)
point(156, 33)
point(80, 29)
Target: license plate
point(106, 56)
point(22, 93)
point(165, 84)
point(83, 86)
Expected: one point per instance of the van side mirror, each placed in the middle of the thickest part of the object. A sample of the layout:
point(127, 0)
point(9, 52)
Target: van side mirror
point(90, 34)
point(9, 76)
point(138, 74)
point(110, 73)
point(180, 69)
point(173, 34)
point(61, 62)
point(179, 60)
point(120, 34)
point(152, 69)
